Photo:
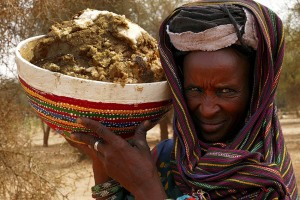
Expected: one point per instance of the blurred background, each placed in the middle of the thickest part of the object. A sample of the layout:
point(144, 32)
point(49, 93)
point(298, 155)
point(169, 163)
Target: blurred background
point(37, 163)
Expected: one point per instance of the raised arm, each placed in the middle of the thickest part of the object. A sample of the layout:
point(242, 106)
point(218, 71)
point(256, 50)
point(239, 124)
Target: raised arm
point(129, 163)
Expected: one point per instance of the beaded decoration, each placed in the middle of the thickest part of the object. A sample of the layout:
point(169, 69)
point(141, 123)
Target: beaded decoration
point(60, 113)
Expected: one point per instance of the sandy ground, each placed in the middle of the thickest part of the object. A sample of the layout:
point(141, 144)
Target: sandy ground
point(76, 173)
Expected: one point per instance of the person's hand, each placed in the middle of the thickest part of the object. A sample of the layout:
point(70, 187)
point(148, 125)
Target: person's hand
point(100, 174)
point(129, 163)
point(83, 148)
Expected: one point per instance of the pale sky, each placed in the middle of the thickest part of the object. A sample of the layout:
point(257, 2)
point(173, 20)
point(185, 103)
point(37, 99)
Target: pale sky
point(278, 6)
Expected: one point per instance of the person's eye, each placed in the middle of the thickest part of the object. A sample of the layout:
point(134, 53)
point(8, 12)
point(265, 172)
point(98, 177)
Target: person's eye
point(192, 91)
point(227, 92)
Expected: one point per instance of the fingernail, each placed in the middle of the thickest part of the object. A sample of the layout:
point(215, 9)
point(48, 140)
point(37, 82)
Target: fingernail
point(79, 121)
point(73, 135)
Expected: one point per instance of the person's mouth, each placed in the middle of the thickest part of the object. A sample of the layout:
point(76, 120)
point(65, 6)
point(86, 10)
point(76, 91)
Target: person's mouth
point(210, 127)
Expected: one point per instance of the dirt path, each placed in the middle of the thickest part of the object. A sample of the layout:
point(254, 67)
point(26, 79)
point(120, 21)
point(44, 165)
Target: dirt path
point(76, 172)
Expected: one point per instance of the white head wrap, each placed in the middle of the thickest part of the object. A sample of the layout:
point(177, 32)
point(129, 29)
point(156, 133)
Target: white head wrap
point(215, 38)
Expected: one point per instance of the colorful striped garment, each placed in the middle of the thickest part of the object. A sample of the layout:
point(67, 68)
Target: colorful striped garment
point(256, 164)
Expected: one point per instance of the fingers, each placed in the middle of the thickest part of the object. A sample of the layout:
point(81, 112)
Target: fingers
point(112, 139)
point(82, 137)
point(141, 131)
point(92, 142)
point(99, 129)
point(73, 144)
point(140, 140)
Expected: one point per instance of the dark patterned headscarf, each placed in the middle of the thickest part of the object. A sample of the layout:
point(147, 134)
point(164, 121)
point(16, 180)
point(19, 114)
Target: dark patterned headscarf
point(255, 164)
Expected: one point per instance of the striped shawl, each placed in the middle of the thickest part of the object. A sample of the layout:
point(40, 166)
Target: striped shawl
point(256, 164)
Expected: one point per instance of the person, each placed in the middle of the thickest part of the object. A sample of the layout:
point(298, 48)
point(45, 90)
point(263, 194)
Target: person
point(222, 60)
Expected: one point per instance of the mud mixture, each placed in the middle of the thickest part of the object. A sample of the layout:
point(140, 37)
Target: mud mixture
point(100, 45)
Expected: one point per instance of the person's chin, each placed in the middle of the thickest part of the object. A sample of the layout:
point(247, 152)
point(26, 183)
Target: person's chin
point(211, 137)
point(211, 134)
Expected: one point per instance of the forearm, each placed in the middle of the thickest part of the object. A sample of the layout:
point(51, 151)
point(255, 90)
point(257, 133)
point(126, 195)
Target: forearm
point(100, 175)
point(152, 189)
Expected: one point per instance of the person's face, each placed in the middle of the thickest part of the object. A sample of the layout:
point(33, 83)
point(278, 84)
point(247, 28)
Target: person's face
point(216, 88)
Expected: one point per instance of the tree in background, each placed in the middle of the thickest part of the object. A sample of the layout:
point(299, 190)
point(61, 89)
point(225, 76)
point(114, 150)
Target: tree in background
point(148, 14)
point(288, 92)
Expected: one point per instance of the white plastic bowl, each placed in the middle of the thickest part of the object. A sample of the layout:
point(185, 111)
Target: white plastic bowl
point(59, 99)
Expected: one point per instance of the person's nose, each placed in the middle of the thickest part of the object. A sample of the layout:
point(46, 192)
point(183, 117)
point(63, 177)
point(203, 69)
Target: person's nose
point(209, 107)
